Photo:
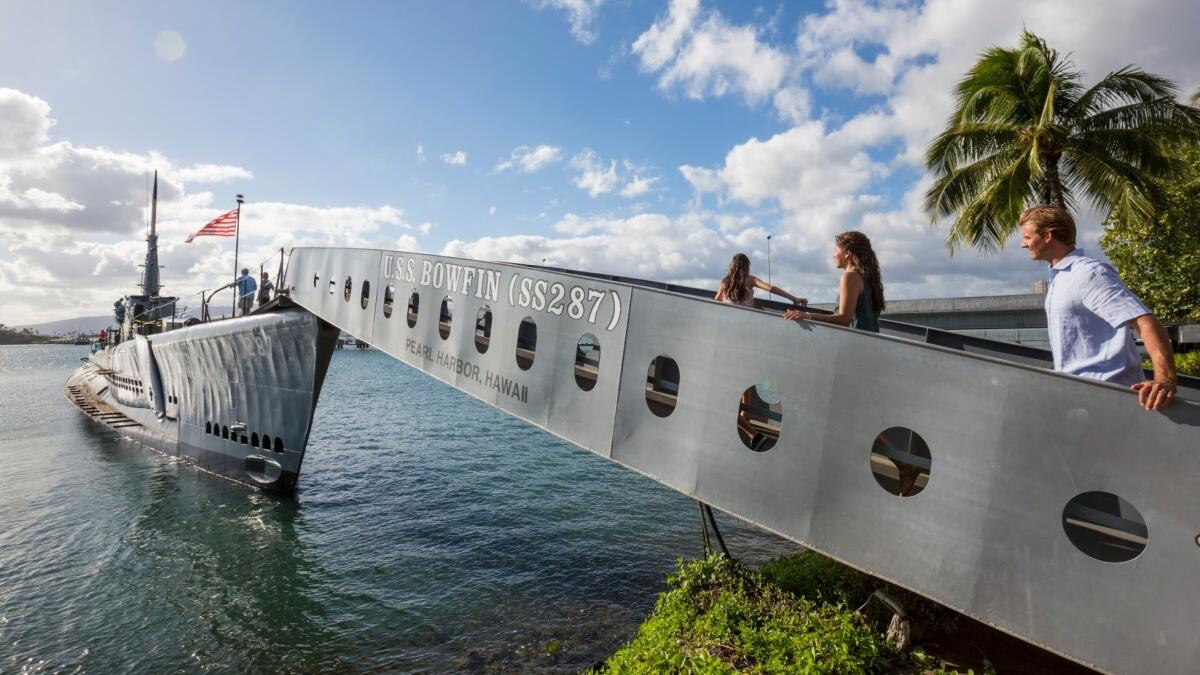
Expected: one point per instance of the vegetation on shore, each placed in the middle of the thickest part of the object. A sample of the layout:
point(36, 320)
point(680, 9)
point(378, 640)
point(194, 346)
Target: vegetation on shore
point(799, 613)
point(24, 336)
point(1025, 130)
point(1159, 259)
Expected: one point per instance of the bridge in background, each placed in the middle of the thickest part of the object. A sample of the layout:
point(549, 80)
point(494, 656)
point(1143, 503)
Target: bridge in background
point(1048, 506)
point(1019, 318)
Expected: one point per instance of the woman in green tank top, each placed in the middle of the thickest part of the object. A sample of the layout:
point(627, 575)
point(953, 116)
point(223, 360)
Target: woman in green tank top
point(860, 291)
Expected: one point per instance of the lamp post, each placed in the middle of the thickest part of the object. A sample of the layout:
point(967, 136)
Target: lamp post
point(237, 238)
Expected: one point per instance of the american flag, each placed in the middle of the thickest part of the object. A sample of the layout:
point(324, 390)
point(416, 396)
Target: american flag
point(224, 225)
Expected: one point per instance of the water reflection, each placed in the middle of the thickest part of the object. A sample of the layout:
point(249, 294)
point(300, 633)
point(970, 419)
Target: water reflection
point(240, 572)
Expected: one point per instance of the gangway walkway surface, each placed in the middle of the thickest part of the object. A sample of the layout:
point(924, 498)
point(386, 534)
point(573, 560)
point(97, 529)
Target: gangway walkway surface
point(1048, 506)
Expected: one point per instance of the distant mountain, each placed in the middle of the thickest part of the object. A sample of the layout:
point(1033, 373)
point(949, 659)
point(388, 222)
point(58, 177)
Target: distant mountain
point(88, 325)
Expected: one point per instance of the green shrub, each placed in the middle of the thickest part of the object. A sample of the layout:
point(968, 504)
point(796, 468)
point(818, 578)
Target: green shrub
point(719, 617)
point(1186, 364)
point(815, 577)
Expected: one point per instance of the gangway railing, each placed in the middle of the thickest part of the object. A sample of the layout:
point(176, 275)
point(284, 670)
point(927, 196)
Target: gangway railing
point(1049, 506)
point(1009, 351)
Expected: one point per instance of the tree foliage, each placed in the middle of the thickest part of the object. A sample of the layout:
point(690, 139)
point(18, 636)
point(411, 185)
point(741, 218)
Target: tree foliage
point(1159, 259)
point(1026, 131)
point(23, 336)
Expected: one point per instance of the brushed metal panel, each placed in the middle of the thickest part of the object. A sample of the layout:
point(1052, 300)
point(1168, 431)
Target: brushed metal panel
point(563, 308)
point(1010, 446)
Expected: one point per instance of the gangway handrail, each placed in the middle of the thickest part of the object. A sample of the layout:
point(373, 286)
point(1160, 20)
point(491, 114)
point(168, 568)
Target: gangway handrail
point(1188, 386)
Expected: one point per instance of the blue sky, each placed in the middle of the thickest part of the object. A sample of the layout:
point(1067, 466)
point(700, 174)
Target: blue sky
point(327, 106)
point(671, 135)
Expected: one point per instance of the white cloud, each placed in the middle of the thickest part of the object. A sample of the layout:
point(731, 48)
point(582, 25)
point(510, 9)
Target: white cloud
point(580, 14)
point(793, 104)
point(593, 176)
point(709, 57)
point(658, 45)
point(210, 173)
point(455, 158)
point(420, 154)
point(643, 245)
point(530, 159)
point(702, 180)
point(72, 219)
point(492, 210)
point(638, 186)
point(599, 178)
point(34, 199)
point(24, 123)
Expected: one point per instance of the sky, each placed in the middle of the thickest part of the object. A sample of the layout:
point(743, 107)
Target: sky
point(645, 138)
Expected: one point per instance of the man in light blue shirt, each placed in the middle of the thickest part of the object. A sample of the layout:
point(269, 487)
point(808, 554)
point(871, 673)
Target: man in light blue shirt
point(1090, 314)
point(245, 289)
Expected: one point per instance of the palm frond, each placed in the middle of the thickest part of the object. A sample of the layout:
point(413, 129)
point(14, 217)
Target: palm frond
point(1154, 154)
point(987, 220)
point(1160, 116)
point(1113, 185)
point(969, 142)
point(959, 187)
point(1127, 85)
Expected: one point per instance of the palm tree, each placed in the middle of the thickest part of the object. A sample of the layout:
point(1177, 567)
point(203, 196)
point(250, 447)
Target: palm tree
point(1026, 131)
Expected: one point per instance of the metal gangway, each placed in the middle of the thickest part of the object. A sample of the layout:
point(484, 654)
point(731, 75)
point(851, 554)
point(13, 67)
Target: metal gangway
point(1051, 507)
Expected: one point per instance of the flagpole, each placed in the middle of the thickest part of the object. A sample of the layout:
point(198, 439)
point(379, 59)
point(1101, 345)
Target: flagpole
point(237, 237)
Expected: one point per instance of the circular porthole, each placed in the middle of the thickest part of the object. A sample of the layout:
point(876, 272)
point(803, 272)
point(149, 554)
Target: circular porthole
point(389, 299)
point(900, 461)
point(414, 304)
point(445, 317)
point(366, 294)
point(1105, 527)
point(483, 329)
point(316, 278)
point(348, 288)
point(662, 386)
point(759, 418)
point(526, 343)
point(587, 362)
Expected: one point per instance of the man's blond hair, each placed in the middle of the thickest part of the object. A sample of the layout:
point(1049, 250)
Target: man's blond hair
point(1053, 219)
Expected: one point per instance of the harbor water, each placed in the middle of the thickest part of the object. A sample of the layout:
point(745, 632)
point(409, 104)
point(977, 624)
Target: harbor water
point(430, 533)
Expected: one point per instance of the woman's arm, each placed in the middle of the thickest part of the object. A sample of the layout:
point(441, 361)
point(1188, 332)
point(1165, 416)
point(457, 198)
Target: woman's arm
point(762, 285)
point(849, 287)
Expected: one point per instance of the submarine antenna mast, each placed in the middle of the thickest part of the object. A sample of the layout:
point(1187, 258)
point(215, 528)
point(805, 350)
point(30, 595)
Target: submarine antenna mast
point(150, 283)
